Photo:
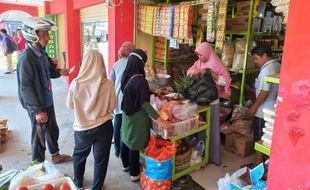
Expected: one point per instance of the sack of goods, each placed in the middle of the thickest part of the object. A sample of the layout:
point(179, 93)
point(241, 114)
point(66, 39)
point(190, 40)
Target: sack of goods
point(158, 164)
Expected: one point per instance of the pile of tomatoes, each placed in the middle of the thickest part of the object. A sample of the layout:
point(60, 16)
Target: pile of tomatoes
point(150, 184)
point(61, 186)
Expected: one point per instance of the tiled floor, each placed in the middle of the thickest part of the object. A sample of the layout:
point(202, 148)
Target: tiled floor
point(16, 152)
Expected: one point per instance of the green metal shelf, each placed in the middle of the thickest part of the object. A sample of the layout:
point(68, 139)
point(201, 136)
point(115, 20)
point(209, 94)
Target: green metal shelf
point(272, 79)
point(249, 71)
point(261, 148)
point(236, 33)
point(277, 49)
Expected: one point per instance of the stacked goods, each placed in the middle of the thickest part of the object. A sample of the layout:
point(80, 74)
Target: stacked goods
point(176, 21)
point(269, 115)
point(157, 21)
point(183, 19)
point(141, 18)
point(201, 22)
point(149, 19)
point(166, 21)
point(220, 33)
point(184, 53)
point(211, 22)
point(146, 19)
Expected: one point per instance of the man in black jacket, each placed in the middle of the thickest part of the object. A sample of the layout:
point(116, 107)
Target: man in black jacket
point(34, 72)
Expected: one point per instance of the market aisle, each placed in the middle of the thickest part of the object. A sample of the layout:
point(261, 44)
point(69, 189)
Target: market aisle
point(16, 152)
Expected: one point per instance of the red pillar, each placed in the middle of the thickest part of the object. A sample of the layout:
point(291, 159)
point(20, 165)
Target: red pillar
point(121, 28)
point(290, 153)
point(73, 38)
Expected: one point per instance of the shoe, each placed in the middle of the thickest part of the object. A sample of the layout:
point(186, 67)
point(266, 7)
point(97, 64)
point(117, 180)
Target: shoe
point(60, 158)
point(6, 73)
point(135, 178)
point(126, 169)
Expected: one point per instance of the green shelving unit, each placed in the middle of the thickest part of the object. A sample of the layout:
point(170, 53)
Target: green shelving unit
point(248, 36)
point(261, 148)
point(206, 128)
point(272, 79)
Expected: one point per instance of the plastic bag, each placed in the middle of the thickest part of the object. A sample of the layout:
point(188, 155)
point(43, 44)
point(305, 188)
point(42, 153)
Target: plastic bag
point(158, 170)
point(160, 149)
point(239, 112)
point(203, 90)
point(157, 103)
point(238, 62)
point(228, 54)
point(184, 111)
point(148, 183)
point(224, 183)
point(35, 175)
point(240, 46)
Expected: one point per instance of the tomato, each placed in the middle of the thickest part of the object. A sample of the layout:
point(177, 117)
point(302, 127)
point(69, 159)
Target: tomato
point(64, 186)
point(22, 188)
point(47, 187)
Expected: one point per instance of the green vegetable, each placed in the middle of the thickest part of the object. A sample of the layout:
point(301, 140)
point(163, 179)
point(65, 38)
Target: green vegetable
point(183, 84)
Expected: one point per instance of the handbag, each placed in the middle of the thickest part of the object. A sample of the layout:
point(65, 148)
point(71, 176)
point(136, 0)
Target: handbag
point(203, 90)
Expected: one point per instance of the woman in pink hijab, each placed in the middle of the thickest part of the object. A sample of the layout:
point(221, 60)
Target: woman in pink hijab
point(208, 59)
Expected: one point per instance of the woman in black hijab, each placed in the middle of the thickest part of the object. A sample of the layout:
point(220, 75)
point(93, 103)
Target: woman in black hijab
point(136, 109)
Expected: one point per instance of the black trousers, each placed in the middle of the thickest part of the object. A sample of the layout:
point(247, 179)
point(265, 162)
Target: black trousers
point(130, 158)
point(257, 126)
point(100, 139)
point(42, 134)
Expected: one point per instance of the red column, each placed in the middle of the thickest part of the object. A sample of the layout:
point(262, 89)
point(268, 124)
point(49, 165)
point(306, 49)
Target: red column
point(73, 38)
point(290, 153)
point(121, 28)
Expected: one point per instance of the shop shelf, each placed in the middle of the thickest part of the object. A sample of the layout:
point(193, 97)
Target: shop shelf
point(277, 49)
point(261, 148)
point(248, 71)
point(272, 79)
point(236, 33)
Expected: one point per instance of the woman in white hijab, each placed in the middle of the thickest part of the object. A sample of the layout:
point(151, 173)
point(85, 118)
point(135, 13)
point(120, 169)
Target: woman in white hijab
point(92, 96)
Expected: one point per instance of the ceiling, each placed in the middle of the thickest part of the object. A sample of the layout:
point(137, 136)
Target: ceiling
point(25, 2)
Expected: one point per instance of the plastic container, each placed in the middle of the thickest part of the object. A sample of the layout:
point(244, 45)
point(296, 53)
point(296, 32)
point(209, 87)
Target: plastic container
point(175, 129)
point(56, 183)
point(162, 79)
point(269, 115)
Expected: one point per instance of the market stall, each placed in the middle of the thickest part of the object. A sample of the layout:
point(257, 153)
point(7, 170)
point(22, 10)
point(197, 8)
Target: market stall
point(173, 29)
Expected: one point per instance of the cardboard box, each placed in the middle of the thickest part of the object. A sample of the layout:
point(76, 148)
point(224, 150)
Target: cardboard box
point(239, 144)
point(243, 8)
point(238, 24)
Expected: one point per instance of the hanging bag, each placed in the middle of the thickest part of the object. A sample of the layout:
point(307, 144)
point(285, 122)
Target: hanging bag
point(203, 90)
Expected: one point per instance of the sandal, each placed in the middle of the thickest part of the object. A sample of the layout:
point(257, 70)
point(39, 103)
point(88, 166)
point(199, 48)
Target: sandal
point(60, 158)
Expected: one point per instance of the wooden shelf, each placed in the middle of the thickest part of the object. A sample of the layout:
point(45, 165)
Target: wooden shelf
point(272, 79)
point(261, 148)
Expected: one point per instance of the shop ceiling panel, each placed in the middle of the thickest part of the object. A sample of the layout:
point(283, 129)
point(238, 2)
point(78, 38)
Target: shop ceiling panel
point(94, 13)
